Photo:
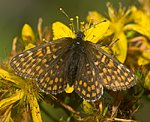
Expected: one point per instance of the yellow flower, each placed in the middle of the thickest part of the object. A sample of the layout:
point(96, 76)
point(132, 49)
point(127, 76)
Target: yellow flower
point(141, 24)
point(117, 22)
point(147, 81)
point(21, 95)
point(145, 57)
point(69, 89)
point(93, 34)
point(27, 34)
point(87, 107)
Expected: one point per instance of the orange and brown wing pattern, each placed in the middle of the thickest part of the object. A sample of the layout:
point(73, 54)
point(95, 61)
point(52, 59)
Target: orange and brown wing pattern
point(53, 79)
point(33, 62)
point(111, 73)
point(45, 63)
point(87, 85)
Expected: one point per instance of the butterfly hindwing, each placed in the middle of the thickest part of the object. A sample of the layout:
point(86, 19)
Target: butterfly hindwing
point(111, 73)
point(87, 85)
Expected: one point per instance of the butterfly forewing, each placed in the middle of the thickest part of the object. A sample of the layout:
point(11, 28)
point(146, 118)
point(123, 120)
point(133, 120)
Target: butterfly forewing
point(53, 79)
point(33, 62)
point(111, 73)
point(45, 63)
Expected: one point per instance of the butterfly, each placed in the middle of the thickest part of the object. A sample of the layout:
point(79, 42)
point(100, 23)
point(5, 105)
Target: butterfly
point(76, 61)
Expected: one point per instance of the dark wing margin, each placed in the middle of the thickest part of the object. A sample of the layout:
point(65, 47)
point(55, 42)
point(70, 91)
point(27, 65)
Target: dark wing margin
point(45, 63)
point(111, 73)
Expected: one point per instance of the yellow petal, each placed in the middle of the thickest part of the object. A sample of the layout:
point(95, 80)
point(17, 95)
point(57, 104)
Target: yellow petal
point(11, 77)
point(35, 110)
point(28, 34)
point(95, 17)
point(60, 31)
point(69, 89)
point(87, 107)
point(120, 47)
point(95, 33)
point(111, 11)
point(7, 115)
point(142, 19)
point(101, 107)
point(8, 118)
point(147, 81)
point(12, 99)
point(145, 57)
point(138, 28)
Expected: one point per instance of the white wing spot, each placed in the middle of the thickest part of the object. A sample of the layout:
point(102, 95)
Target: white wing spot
point(127, 70)
point(28, 51)
point(93, 72)
point(96, 63)
point(20, 55)
point(120, 66)
point(132, 78)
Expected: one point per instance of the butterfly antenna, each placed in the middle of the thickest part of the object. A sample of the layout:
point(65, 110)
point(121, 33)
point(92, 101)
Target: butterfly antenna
point(64, 13)
point(95, 25)
point(69, 18)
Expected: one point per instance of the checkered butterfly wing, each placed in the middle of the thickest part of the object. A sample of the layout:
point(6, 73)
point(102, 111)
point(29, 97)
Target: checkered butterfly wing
point(45, 63)
point(98, 69)
point(87, 85)
point(111, 73)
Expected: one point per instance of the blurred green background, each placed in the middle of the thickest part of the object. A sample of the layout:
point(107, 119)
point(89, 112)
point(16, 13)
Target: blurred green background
point(15, 13)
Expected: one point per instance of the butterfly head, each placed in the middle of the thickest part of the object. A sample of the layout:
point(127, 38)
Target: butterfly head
point(80, 35)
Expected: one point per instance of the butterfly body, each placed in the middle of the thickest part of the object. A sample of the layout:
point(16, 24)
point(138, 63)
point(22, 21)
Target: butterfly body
point(77, 51)
point(76, 62)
